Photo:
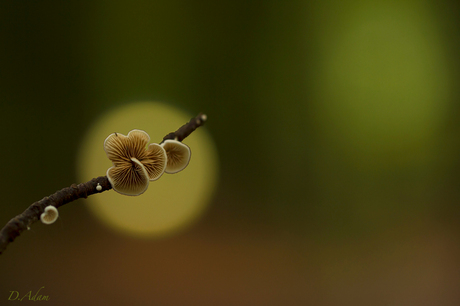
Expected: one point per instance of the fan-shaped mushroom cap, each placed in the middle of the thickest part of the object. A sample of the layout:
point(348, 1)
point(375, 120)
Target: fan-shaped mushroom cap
point(50, 215)
point(129, 179)
point(155, 161)
point(178, 155)
point(134, 164)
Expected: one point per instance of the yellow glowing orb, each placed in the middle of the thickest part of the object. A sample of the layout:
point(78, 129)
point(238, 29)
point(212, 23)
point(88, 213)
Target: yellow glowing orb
point(170, 203)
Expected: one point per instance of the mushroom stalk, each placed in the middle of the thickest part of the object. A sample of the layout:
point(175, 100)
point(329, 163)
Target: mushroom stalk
point(21, 222)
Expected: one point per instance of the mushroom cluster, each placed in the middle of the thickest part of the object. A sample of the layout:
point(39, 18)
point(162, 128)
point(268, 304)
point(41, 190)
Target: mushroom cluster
point(136, 163)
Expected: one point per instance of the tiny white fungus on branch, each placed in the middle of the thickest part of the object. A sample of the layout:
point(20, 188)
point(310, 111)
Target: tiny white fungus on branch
point(50, 215)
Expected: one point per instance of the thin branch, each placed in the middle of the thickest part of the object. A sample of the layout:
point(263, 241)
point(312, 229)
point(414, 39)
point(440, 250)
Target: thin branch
point(187, 128)
point(22, 222)
point(66, 195)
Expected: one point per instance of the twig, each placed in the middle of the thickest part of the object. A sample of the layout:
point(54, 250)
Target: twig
point(187, 128)
point(21, 222)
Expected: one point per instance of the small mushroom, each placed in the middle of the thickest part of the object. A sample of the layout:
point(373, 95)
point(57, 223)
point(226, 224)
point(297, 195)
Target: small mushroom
point(50, 215)
point(134, 163)
point(178, 155)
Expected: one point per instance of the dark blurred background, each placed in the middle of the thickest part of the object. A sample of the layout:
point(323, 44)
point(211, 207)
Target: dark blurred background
point(337, 132)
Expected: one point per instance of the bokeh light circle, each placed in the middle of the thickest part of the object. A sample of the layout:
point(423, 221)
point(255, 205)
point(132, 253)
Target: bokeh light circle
point(172, 202)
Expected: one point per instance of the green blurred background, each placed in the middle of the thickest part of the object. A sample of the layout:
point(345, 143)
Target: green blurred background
point(337, 132)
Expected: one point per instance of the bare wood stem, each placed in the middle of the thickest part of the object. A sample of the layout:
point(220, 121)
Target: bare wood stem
point(22, 222)
point(187, 128)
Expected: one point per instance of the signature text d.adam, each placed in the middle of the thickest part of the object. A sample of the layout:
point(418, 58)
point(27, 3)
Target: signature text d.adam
point(15, 296)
